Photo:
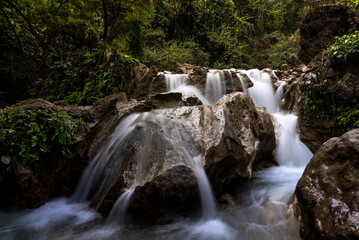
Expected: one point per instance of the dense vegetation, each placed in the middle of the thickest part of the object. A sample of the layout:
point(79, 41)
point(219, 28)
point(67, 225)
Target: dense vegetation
point(330, 98)
point(59, 49)
point(34, 132)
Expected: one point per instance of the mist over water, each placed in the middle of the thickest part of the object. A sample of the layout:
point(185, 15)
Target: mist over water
point(259, 205)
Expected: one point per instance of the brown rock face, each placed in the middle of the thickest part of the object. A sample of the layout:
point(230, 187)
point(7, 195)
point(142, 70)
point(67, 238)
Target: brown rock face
point(320, 26)
point(173, 191)
point(141, 81)
point(327, 193)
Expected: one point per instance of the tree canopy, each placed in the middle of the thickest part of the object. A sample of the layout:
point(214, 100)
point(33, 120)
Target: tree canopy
point(58, 48)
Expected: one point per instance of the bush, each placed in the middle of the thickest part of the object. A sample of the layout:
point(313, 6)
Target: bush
point(284, 52)
point(31, 133)
point(345, 49)
point(176, 52)
point(110, 78)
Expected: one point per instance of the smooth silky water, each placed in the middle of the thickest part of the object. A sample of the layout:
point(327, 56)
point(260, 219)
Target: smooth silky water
point(258, 210)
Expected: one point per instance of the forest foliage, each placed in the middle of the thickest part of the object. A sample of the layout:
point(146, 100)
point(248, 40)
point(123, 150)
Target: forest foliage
point(58, 49)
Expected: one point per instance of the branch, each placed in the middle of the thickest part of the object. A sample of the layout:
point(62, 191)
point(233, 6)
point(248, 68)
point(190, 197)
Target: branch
point(16, 36)
point(30, 27)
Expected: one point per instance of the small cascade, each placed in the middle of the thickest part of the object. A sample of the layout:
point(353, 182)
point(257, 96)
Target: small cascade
point(118, 212)
point(178, 83)
point(262, 92)
point(173, 81)
point(205, 190)
point(279, 93)
point(242, 83)
point(290, 150)
point(95, 170)
point(215, 87)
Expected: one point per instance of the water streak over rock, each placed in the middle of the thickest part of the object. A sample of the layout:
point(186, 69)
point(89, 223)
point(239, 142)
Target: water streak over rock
point(232, 136)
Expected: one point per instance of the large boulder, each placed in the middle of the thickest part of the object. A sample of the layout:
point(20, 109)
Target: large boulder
point(158, 157)
point(320, 26)
point(327, 193)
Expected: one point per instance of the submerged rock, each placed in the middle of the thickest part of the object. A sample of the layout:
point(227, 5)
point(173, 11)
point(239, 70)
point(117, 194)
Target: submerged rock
point(327, 193)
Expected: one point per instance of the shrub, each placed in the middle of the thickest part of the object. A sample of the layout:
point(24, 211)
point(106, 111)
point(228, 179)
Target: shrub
point(345, 49)
point(176, 52)
point(31, 133)
point(284, 52)
point(110, 78)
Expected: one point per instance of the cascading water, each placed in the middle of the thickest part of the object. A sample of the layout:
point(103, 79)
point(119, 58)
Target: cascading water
point(178, 83)
point(96, 168)
point(215, 87)
point(244, 87)
point(290, 151)
point(258, 211)
point(118, 212)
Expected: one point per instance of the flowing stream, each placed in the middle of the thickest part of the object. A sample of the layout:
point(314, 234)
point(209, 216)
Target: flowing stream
point(258, 210)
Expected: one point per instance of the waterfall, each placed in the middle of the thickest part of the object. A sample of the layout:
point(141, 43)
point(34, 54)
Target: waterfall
point(262, 92)
point(262, 201)
point(117, 214)
point(178, 83)
point(173, 81)
point(205, 190)
point(290, 150)
point(97, 165)
point(244, 87)
point(215, 86)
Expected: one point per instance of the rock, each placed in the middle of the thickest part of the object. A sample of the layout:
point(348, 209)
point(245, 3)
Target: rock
point(332, 90)
point(320, 26)
point(141, 82)
point(191, 100)
point(185, 68)
point(34, 184)
point(294, 96)
point(158, 84)
point(167, 100)
point(327, 193)
point(171, 192)
point(257, 120)
point(198, 77)
point(231, 139)
point(230, 78)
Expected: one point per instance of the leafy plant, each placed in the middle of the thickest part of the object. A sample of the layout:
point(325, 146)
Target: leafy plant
point(176, 52)
point(149, 100)
point(345, 49)
point(32, 133)
point(110, 78)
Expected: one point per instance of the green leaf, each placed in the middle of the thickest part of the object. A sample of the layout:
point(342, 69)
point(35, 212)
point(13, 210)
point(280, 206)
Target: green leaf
point(6, 159)
point(2, 133)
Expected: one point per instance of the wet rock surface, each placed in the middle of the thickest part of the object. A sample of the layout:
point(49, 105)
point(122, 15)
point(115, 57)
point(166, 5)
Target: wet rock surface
point(327, 193)
point(166, 142)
